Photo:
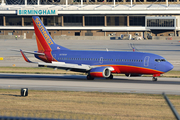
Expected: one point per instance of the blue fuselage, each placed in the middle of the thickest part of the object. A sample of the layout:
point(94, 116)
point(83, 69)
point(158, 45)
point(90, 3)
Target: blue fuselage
point(125, 62)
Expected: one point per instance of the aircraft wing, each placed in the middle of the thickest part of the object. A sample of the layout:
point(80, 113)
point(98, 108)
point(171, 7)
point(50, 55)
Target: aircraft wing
point(61, 65)
point(70, 67)
point(66, 66)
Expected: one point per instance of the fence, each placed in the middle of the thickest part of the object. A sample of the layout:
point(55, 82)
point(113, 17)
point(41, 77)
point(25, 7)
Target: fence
point(58, 2)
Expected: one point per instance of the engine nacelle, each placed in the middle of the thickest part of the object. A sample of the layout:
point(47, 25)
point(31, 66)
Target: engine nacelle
point(100, 72)
point(133, 75)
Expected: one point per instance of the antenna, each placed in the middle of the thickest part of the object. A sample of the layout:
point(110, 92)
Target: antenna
point(133, 47)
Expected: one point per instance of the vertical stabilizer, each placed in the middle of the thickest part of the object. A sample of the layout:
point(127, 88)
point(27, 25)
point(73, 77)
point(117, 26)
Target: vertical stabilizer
point(43, 38)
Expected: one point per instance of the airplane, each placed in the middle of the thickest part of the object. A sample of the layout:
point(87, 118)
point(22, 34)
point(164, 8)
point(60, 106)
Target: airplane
point(97, 64)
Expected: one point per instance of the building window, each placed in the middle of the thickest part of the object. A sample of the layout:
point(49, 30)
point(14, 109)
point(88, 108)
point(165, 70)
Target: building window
point(139, 0)
point(129, 0)
point(155, 1)
point(160, 22)
point(52, 21)
point(91, 0)
point(100, 0)
point(77, 33)
point(116, 21)
point(15, 2)
point(79, 0)
point(47, 2)
point(13, 20)
point(73, 20)
point(119, 0)
point(136, 21)
point(172, 0)
point(94, 20)
point(28, 21)
point(1, 20)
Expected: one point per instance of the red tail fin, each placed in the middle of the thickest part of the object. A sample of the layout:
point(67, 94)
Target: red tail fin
point(43, 38)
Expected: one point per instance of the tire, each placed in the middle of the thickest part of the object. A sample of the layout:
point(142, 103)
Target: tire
point(110, 77)
point(89, 77)
point(154, 79)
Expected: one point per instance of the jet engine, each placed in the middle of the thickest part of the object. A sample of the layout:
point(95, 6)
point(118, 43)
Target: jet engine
point(100, 72)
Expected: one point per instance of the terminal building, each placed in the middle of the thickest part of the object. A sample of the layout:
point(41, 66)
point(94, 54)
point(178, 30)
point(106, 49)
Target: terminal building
point(143, 18)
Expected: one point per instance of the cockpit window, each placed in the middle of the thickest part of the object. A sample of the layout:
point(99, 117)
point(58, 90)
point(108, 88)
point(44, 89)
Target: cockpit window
point(160, 60)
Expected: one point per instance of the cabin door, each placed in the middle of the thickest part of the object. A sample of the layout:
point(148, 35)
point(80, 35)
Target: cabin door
point(101, 60)
point(146, 61)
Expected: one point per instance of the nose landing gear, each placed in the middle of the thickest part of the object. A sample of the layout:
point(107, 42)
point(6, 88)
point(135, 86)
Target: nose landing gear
point(154, 79)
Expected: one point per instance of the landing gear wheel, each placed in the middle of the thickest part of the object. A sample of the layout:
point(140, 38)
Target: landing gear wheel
point(89, 77)
point(154, 79)
point(110, 77)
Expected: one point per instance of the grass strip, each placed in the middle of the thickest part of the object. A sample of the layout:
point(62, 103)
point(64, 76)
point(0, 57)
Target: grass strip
point(87, 105)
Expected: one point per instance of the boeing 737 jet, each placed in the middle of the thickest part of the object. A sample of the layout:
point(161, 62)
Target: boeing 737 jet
point(94, 63)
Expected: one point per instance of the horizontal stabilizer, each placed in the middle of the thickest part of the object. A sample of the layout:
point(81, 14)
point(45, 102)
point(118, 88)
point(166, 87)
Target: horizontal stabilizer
point(25, 57)
point(30, 52)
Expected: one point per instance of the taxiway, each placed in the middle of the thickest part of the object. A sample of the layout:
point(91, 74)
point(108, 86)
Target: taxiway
point(79, 83)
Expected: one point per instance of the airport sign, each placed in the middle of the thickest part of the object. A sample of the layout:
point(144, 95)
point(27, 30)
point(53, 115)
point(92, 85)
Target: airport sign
point(37, 12)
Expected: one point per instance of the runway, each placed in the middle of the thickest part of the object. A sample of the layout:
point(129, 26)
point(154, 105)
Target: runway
point(61, 82)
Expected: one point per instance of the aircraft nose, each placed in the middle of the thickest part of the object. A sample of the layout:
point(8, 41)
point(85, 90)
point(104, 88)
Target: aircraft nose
point(169, 67)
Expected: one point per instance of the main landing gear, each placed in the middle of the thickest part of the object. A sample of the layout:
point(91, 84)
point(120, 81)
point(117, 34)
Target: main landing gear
point(89, 77)
point(154, 79)
point(110, 77)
